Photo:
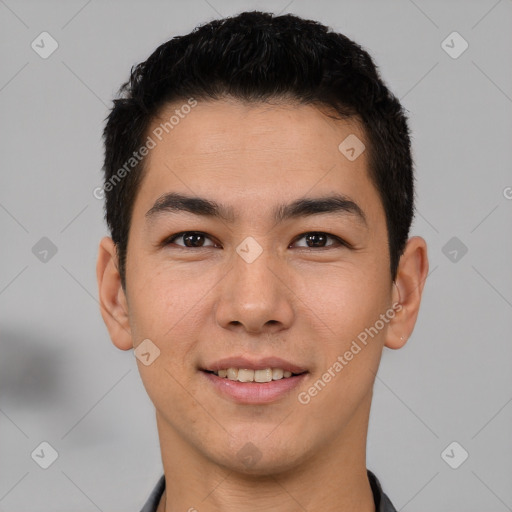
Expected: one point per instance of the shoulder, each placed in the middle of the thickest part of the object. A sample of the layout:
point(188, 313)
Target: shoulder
point(382, 502)
point(152, 502)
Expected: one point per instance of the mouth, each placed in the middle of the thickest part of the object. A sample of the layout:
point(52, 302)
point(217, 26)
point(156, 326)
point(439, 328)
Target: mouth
point(243, 381)
point(254, 376)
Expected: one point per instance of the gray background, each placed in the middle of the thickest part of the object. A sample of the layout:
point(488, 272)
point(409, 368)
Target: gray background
point(61, 379)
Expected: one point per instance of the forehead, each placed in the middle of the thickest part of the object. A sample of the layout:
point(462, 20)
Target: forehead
point(251, 153)
point(225, 126)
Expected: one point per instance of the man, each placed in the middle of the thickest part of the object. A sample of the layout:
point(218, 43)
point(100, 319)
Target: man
point(259, 193)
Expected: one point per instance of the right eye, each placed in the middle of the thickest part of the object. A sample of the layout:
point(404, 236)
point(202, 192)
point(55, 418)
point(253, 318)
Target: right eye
point(190, 239)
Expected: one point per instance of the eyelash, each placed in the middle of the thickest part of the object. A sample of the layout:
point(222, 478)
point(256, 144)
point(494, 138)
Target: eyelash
point(340, 242)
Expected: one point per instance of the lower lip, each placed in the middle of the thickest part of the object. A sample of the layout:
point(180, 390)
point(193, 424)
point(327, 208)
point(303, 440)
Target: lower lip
point(254, 392)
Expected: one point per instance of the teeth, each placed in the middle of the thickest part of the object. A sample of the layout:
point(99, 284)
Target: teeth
point(246, 375)
point(277, 373)
point(263, 375)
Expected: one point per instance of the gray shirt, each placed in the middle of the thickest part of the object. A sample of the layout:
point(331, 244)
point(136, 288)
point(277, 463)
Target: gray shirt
point(382, 503)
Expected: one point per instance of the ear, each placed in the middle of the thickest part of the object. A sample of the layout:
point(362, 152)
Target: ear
point(408, 287)
point(113, 303)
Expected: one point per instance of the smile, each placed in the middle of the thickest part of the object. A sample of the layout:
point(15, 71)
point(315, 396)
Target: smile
point(248, 375)
point(251, 391)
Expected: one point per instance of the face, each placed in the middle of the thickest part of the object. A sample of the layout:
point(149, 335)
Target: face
point(259, 273)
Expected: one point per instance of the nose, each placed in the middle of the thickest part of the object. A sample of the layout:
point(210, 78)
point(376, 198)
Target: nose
point(255, 297)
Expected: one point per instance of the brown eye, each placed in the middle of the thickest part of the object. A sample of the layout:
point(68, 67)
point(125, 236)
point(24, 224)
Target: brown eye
point(318, 239)
point(190, 239)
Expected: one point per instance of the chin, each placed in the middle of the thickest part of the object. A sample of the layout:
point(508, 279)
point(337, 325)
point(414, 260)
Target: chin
point(261, 458)
point(263, 468)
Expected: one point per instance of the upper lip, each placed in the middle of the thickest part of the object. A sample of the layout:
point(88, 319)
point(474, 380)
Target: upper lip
point(254, 364)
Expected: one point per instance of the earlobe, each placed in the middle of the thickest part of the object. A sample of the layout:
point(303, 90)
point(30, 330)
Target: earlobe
point(113, 304)
point(407, 291)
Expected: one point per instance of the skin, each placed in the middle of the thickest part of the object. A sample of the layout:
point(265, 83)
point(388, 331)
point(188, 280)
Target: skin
point(306, 305)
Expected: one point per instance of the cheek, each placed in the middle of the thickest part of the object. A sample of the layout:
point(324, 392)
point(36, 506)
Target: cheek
point(346, 297)
point(344, 305)
point(164, 308)
point(165, 300)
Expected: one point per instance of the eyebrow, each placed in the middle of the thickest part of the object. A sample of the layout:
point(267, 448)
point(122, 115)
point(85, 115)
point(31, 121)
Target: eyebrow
point(333, 204)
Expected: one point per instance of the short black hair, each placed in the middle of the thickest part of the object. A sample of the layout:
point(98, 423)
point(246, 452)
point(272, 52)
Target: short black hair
point(257, 57)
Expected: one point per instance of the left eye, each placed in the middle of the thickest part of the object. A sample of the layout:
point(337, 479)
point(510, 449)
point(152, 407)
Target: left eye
point(319, 239)
point(190, 239)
